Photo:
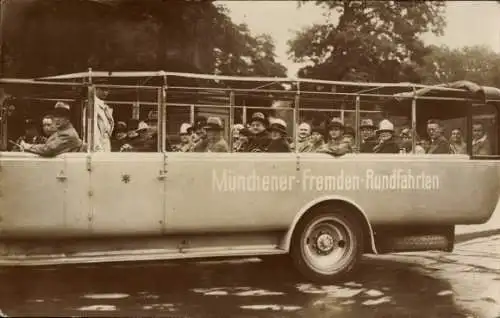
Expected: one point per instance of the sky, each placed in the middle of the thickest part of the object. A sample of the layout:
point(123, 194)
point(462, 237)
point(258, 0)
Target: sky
point(468, 23)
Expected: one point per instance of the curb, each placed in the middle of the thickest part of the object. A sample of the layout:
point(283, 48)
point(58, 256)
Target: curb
point(460, 238)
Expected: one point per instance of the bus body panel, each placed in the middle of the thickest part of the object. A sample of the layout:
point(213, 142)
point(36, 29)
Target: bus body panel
point(201, 193)
point(418, 189)
point(32, 200)
point(124, 193)
point(127, 195)
point(78, 208)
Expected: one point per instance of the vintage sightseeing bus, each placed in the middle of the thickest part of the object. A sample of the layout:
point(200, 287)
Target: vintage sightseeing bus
point(325, 211)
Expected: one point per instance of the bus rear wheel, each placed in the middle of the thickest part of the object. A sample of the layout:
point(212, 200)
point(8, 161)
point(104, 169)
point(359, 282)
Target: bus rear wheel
point(327, 246)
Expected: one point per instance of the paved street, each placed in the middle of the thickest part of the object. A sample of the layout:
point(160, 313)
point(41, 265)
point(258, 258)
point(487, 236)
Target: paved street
point(427, 285)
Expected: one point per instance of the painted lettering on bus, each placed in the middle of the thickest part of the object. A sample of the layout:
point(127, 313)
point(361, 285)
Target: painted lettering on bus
point(398, 179)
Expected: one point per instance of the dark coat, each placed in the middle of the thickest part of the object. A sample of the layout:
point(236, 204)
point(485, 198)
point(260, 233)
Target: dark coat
point(259, 142)
point(368, 145)
point(389, 146)
point(439, 146)
point(278, 145)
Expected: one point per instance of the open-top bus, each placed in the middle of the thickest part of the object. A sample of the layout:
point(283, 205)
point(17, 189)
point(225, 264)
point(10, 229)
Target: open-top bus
point(324, 211)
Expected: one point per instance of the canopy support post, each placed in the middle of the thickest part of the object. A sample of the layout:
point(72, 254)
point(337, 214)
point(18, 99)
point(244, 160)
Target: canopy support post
point(231, 119)
point(357, 120)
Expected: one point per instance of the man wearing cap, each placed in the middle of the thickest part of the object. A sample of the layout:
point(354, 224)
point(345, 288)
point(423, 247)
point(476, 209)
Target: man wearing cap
point(65, 139)
point(103, 121)
point(336, 144)
point(278, 136)
point(215, 140)
point(303, 138)
point(186, 143)
point(260, 139)
point(368, 137)
point(386, 143)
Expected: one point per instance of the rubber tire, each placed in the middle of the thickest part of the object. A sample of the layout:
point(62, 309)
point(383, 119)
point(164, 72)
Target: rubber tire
point(349, 268)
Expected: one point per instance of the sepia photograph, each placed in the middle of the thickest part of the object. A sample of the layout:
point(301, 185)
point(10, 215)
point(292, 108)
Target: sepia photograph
point(268, 159)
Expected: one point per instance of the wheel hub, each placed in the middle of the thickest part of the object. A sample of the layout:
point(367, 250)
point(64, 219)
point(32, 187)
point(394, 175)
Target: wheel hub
point(325, 243)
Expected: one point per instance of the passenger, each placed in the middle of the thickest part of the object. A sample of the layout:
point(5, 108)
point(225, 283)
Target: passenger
point(235, 133)
point(260, 139)
point(317, 139)
point(369, 140)
point(386, 143)
point(132, 134)
point(119, 136)
point(64, 140)
point(241, 144)
point(336, 144)
point(407, 142)
point(480, 141)
point(48, 125)
point(303, 138)
point(104, 122)
point(152, 132)
point(278, 137)
point(185, 138)
point(200, 135)
point(31, 136)
point(438, 144)
point(350, 136)
point(457, 144)
point(216, 142)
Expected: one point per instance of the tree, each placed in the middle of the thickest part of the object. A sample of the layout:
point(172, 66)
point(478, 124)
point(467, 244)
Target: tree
point(48, 37)
point(479, 64)
point(371, 41)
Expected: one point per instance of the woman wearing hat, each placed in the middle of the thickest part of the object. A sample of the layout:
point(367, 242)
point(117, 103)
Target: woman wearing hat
point(278, 137)
point(385, 134)
point(336, 144)
point(260, 139)
point(186, 143)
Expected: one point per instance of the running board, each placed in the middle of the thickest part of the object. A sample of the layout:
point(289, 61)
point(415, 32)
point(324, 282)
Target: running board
point(37, 252)
point(136, 255)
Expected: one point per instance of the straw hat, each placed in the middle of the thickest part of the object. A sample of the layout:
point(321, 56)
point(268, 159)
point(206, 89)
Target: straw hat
point(385, 126)
point(278, 125)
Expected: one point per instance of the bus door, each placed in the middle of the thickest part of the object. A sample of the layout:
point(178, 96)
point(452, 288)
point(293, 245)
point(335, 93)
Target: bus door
point(127, 187)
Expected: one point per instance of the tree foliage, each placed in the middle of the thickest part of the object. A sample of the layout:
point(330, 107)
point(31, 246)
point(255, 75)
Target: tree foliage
point(371, 41)
point(479, 64)
point(47, 37)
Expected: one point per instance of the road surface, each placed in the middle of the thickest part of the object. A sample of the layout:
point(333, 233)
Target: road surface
point(463, 284)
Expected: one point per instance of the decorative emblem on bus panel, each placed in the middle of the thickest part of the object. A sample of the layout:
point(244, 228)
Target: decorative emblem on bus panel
point(125, 178)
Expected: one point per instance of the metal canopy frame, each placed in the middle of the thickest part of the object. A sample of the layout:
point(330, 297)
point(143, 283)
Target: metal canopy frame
point(407, 91)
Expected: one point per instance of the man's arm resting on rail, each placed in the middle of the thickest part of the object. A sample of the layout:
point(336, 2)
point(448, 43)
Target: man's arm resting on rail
point(53, 147)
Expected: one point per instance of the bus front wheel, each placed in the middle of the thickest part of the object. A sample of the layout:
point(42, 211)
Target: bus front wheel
point(327, 246)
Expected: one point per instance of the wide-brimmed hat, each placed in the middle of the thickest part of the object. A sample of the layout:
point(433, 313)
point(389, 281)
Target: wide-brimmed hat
point(367, 123)
point(61, 110)
point(186, 129)
point(335, 123)
point(260, 118)
point(278, 125)
point(385, 126)
point(142, 126)
point(213, 123)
